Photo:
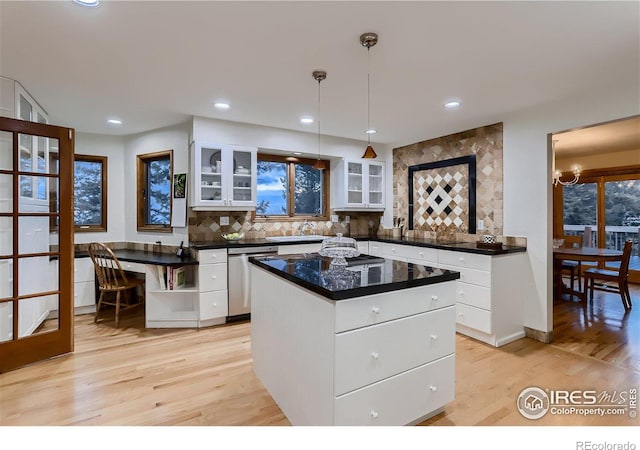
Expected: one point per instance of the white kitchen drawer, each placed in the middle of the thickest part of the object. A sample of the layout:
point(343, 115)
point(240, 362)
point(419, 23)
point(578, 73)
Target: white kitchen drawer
point(471, 294)
point(212, 256)
point(401, 399)
point(472, 317)
point(375, 248)
point(213, 304)
point(295, 249)
point(133, 266)
point(462, 259)
point(394, 251)
point(379, 308)
point(472, 276)
point(363, 247)
point(370, 354)
point(83, 270)
point(212, 277)
point(84, 293)
point(422, 255)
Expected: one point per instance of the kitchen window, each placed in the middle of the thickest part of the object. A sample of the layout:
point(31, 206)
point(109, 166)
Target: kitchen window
point(90, 193)
point(291, 188)
point(154, 174)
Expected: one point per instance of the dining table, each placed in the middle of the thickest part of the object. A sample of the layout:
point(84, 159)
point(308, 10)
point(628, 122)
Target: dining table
point(593, 254)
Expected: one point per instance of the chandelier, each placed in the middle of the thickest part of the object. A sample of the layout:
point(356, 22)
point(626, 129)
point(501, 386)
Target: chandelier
point(557, 174)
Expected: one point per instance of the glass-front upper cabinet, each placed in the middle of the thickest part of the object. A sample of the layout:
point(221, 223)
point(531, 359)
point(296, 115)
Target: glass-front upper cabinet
point(223, 177)
point(359, 185)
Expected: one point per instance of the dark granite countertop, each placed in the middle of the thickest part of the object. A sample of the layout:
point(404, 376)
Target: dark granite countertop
point(311, 271)
point(467, 247)
point(142, 257)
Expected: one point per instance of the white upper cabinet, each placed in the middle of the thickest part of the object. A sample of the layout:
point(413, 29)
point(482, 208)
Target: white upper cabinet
point(359, 186)
point(223, 177)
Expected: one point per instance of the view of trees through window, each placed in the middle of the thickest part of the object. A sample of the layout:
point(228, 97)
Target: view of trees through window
point(274, 186)
point(87, 207)
point(159, 192)
point(621, 211)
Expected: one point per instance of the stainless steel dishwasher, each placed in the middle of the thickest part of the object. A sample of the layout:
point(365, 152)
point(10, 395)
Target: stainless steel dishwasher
point(239, 281)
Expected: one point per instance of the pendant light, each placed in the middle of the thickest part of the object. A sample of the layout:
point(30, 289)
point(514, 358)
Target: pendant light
point(369, 40)
point(319, 75)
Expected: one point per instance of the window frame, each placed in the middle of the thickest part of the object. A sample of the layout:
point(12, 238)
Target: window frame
point(141, 182)
point(102, 227)
point(291, 162)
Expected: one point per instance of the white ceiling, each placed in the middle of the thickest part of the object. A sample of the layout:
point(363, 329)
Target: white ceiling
point(154, 64)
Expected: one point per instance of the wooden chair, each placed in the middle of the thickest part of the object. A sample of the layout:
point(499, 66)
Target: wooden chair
point(573, 268)
point(594, 279)
point(112, 279)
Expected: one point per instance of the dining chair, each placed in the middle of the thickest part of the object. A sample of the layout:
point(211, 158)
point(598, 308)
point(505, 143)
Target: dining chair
point(572, 268)
point(595, 279)
point(112, 279)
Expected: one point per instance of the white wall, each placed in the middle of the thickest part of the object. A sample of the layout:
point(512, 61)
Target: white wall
point(267, 138)
point(527, 178)
point(113, 148)
point(174, 138)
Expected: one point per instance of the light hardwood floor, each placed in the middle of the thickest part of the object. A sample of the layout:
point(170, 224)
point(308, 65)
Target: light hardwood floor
point(134, 376)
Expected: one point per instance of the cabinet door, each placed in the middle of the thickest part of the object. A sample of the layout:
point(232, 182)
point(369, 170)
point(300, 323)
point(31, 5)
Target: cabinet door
point(355, 183)
point(375, 185)
point(208, 185)
point(242, 178)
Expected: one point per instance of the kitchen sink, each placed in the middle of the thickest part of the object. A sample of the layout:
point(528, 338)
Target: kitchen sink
point(307, 237)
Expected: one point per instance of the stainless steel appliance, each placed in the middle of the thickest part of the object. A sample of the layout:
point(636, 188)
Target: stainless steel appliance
point(239, 281)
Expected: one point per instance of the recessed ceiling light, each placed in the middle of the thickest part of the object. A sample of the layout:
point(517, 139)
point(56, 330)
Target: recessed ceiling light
point(89, 3)
point(306, 120)
point(371, 131)
point(453, 104)
point(114, 121)
point(297, 153)
point(222, 105)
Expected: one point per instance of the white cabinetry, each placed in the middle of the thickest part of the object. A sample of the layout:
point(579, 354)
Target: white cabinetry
point(489, 295)
point(359, 186)
point(223, 177)
point(489, 292)
point(213, 304)
point(84, 294)
point(384, 359)
point(17, 103)
point(169, 308)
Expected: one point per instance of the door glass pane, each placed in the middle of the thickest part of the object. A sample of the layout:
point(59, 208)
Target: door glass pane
point(622, 213)
point(273, 182)
point(33, 234)
point(6, 279)
point(36, 201)
point(375, 184)
point(33, 275)
point(6, 151)
point(308, 190)
point(6, 236)
point(6, 193)
point(354, 183)
point(580, 212)
point(34, 315)
point(242, 176)
point(6, 320)
point(26, 110)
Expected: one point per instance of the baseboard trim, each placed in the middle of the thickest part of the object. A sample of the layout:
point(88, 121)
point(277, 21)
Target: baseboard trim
point(546, 337)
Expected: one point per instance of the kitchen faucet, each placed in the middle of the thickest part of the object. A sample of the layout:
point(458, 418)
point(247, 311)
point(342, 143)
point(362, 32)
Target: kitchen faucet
point(305, 225)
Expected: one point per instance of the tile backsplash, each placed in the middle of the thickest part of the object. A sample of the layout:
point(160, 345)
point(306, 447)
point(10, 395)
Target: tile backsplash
point(205, 225)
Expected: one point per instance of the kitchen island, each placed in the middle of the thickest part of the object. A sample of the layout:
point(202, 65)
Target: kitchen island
point(371, 344)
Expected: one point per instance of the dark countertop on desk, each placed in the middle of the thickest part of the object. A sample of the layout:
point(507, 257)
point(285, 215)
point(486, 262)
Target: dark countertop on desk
point(310, 271)
point(142, 257)
point(467, 247)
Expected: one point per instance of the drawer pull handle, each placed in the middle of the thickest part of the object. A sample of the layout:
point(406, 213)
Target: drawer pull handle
point(460, 292)
point(215, 305)
point(434, 337)
point(433, 388)
point(213, 277)
point(375, 355)
point(434, 298)
point(460, 314)
point(374, 414)
point(375, 310)
point(461, 259)
point(421, 253)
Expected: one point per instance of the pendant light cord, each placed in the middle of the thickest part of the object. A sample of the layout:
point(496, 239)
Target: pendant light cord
point(368, 97)
point(319, 119)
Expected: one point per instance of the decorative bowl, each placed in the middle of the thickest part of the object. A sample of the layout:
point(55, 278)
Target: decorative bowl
point(233, 236)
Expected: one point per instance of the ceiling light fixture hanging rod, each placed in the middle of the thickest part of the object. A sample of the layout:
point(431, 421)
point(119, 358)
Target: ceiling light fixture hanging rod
point(368, 40)
point(319, 75)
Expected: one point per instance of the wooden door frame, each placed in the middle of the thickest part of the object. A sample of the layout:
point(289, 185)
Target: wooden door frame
point(22, 351)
